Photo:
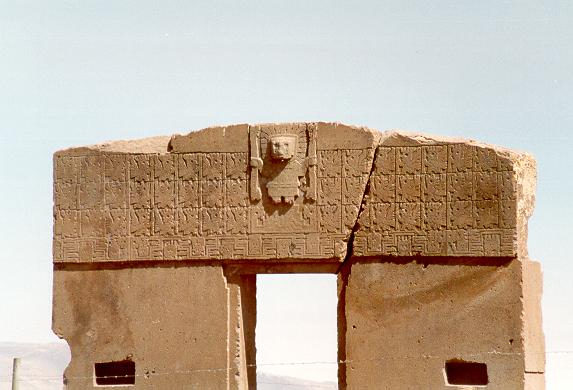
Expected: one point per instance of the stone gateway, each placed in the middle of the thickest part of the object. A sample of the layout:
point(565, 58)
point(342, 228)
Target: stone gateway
point(157, 244)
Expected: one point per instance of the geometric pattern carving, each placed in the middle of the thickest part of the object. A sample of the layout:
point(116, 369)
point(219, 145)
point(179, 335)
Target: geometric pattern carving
point(438, 200)
point(432, 199)
point(117, 207)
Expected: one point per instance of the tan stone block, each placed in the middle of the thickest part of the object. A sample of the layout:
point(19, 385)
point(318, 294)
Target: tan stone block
point(434, 188)
point(383, 188)
point(385, 162)
point(402, 322)
point(409, 188)
point(409, 160)
point(435, 159)
point(117, 314)
point(534, 339)
point(337, 136)
point(228, 139)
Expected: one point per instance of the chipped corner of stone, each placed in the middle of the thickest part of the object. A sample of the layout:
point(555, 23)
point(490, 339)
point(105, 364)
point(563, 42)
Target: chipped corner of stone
point(150, 145)
point(231, 139)
point(336, 136)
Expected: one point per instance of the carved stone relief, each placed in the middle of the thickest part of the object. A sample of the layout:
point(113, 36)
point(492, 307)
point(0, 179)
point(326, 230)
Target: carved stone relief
point(290, 191)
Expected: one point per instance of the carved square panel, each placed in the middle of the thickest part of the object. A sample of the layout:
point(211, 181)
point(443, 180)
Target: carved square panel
point(382, 188)
point(91, 168)
point(434, 188)
point(435, 159)
point(140, 168)
point(188, 193)
point(116, 223)
point(485, 160)
point(460, 215)
point(382, 216)
point(91, 194)
point(212, 193)
point(385, 161)
point(140, 194)
point(329, 219)
point(356, 163)
point(188, 166)
point(408, 217)
point(460, 186)
point(237, 166)
point(213, 221)
point(409, 188)
point(350, 213)
point(329, 190)
point(458, 242)
point(486, 186)
point(67, 169)
point(487, 214)
point(140, 222)
point(491, 244)
point(188, 222)
point(504, 164)
point(164, 222)
point(115, 195)
point(352, 190)
point(434, 215)
point(116, 167)
point(140, 248)
point(329, 163)
point(212, 165)
point(409, 160)
point(66, 195)
point(436, 242)
point(164, 167)
point(506, 182)
point(460, 158)
point(237, 220)
point(92, 223)
point(508, 216)
point(118, 248)
point(67, 224)
point(236, 193)
point(164, 193)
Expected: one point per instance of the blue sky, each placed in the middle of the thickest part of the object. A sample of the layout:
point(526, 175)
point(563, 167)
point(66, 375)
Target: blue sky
point(81, 72)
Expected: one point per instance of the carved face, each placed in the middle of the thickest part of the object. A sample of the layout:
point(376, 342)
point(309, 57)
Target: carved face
point(283, 146)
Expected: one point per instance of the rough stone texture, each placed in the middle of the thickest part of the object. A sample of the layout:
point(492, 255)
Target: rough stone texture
point(403, 321)
point(173, 322)
point(194, 203)
point(445, 197)
point(157, 243)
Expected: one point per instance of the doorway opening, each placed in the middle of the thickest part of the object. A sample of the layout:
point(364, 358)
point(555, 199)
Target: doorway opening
point(296, 331)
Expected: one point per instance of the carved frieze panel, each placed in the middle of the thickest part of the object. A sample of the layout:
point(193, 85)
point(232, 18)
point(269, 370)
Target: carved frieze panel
point(285, 191)
point(438, 200)
point(200, 205)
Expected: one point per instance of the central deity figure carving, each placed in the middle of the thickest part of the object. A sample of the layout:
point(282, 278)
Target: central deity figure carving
point(285, 161)
point(283, 146)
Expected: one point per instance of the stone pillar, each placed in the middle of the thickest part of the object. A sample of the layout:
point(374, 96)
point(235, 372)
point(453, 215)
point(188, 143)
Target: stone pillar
point(438, 290)
point(403, 322)
point(242, 322)
point(171, 321)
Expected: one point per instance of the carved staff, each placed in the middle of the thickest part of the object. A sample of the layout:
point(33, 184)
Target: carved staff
point(256, 163)
point(311, 162)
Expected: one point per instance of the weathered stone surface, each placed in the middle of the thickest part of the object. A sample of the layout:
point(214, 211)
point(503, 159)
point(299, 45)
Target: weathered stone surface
point(401, 322)
point(445, 197)
point(197, 202)
point(172, 322)
point(157, 244)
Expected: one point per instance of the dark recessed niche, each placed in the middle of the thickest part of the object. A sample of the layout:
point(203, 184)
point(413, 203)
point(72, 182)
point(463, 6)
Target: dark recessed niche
point(459, 372)
point(115, 373)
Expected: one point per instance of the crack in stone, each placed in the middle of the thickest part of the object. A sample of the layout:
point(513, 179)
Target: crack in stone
point(350, 243)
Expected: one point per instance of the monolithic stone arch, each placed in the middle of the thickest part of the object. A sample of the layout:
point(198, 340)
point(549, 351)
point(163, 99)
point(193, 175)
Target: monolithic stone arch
point(157, 244)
